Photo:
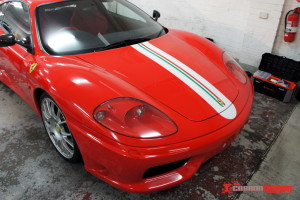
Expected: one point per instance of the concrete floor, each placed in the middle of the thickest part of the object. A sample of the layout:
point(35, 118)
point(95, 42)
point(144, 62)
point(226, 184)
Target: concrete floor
point(282, 164)
point(31, 169)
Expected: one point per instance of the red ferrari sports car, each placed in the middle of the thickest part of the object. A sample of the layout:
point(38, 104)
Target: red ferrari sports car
point(143, 106)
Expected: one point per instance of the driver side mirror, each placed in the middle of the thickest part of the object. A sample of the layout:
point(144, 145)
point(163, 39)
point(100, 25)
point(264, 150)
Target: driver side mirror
point(156, 15)
point(7, 40)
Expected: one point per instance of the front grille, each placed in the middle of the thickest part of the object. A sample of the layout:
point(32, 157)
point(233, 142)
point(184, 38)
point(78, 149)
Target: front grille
point(161, 169)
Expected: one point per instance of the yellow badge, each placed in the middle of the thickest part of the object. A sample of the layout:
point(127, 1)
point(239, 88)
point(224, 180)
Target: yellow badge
point(221, 102)
point(57, 128)
point(32, 67)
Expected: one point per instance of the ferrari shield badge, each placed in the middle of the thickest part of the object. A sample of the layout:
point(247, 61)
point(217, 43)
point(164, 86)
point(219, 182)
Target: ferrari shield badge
point(32, 67)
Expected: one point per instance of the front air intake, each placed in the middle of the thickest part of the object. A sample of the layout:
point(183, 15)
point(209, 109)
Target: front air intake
point(161, 169)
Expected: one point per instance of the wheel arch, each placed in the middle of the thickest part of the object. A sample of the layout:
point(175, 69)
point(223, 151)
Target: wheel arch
point(37, 95)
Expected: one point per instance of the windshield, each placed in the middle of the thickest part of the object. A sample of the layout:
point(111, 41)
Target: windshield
point(74, 27)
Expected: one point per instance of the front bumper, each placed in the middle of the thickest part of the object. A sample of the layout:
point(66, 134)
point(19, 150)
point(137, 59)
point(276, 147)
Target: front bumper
point(124, 166)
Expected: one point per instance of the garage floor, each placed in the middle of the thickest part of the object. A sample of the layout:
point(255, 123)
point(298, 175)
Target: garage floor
point(31, 169)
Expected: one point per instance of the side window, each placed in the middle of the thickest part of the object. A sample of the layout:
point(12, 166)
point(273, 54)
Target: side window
point(2, 10)
point(120, 9)
point(17, 21)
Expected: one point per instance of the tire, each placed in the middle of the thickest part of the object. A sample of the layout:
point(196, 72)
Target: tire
point(57, 129)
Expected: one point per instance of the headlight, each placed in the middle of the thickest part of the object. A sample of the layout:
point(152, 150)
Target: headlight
point(234, 68)
point(134, 118)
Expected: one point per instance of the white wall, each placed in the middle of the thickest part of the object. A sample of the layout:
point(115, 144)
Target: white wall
point(233, 24)
point(290, 50)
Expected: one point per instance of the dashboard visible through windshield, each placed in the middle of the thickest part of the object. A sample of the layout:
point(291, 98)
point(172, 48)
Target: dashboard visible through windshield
point(74, 27)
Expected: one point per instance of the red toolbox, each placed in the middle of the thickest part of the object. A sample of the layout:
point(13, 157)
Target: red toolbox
point(278, 88)
point(276, 77)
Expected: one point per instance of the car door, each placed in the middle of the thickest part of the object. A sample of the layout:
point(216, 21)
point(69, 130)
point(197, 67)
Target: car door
point(15, 61)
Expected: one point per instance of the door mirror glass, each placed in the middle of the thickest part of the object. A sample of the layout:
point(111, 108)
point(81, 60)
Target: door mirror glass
point(7, 40)
point(156, 15)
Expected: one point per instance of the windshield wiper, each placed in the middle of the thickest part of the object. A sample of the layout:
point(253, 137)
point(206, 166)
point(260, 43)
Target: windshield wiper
point(126, 43)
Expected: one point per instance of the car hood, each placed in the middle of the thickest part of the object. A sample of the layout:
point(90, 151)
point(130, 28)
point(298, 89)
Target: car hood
point(175, 73)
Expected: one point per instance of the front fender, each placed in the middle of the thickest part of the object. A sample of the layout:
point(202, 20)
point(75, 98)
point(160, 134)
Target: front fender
point(79, 87)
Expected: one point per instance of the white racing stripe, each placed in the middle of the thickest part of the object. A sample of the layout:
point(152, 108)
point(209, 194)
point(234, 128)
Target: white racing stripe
point(196, 82)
